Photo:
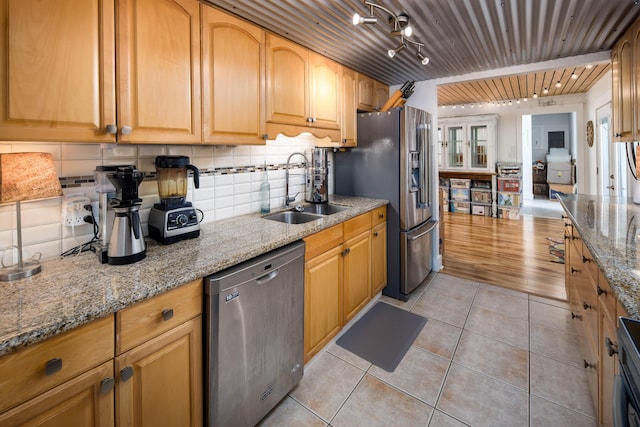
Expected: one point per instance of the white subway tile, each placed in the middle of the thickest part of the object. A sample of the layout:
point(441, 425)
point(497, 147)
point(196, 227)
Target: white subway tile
point(203, 194)
point(146, 150)
point(223, 162)
point(242, 209)
point(222, 180)
point(207, 181)
point(223, 191)
point(146, 164)
point(54, 149)
point(179, 150)
point(48, 250)
point(223, 213)
point(70, 168)
point(203, 151)
point(80, 152)
point(224, 202)
point(203, 162)
point(239, 199)
point(242, 178)
point(120, 152)
point(41, 234)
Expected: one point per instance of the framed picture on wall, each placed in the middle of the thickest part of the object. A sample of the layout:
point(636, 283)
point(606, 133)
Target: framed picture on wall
point(556, 139)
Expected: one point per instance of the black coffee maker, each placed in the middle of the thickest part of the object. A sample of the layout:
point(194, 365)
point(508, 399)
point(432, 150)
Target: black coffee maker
point(174, 218)
point(127, 243)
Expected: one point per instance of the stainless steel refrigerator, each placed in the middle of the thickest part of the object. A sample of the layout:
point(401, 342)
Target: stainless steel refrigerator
point(392, 162)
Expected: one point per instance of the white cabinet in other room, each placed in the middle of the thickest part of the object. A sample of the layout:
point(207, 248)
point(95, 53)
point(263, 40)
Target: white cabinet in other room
point(467, 143)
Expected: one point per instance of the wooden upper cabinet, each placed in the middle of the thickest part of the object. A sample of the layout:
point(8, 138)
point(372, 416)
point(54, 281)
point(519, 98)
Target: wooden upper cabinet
point(324, 92)
point(365, 93)
point(381, 95)
point(349, 128)
point(158, 71)
point(233, 79)
point(57, 70)
point(287, 84)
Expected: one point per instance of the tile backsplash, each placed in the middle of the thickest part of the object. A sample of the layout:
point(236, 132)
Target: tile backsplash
point(230, 178)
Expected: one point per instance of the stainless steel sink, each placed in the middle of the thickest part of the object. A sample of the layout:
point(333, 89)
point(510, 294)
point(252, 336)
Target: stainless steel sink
point(293, 217)
point(323, 208)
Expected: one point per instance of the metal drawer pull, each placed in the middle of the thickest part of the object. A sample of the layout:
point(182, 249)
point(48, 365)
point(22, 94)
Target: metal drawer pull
point(167, 314)
point(585, 259)
point(612, 348)
point(126, 373)
point(575, 316)
point(346, 252)
point(586, 306)
point(601, 291)
point(106, 385)
point(52, 366)
point(589, 365)
point(375, 234)
point(573, 270)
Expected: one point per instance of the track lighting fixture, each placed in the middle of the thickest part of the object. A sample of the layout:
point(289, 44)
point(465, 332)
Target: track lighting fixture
point(574, 76)
point(558, 84)
point(400, 28)
point(392, 52)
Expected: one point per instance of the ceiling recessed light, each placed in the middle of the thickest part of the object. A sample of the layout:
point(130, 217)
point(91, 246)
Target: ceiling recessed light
point(558, 84)
point(588, 67)
point(545, 91)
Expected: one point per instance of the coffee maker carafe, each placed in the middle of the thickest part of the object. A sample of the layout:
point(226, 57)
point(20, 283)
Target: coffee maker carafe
point(127, 244)
point(174, 218)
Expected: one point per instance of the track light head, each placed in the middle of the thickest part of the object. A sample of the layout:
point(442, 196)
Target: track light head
point(392, 52)
point(357, 19)
point(405, 32)
point(424, 60)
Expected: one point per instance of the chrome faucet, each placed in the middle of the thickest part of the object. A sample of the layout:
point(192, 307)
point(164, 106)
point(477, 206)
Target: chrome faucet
point(288, 199)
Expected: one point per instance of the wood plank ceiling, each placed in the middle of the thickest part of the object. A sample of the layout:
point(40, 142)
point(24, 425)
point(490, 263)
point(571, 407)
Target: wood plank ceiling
point(459, 36)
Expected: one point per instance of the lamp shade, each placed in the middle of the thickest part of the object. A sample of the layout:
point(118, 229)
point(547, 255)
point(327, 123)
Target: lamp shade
point(27, 176)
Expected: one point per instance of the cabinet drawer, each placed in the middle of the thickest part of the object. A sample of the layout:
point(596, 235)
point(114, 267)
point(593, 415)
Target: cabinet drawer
point(357, 225)
point(322, 241)
point(378, 215)
point(143, 321)
point(606, 297)
point(34, 369)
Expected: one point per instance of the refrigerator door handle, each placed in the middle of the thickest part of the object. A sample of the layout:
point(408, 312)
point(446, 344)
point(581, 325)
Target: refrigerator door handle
point(429, 230)
point(424, 156)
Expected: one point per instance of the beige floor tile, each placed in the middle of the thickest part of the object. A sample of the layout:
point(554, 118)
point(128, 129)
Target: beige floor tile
point(490, 357)
point(556, 344)
point(439, 338)
point(459, 290)
point(290, 413)
point(439, 419)
point(479, 400)
point(545, 414)
point(347, 356)
point(374, 403)
point(506, 291)
point(420, 374)
point(549, 301)
point(507, 329)
point(326, 385)
point(434, 305)
point(413, 296)
point(441, 277)
point(551, 316)
point(560, 383)
point(500, 302)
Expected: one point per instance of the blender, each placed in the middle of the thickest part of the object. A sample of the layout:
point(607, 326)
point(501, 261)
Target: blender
point(126, 245)
point(174, 218)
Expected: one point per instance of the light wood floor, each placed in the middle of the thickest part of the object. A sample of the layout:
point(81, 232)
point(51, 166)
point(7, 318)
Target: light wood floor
point(509, 253)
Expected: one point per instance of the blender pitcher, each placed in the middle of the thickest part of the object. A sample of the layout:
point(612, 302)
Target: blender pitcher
point(173, 178)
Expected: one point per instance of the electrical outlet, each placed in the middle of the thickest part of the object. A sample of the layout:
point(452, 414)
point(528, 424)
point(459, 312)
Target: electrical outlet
point(73, 211)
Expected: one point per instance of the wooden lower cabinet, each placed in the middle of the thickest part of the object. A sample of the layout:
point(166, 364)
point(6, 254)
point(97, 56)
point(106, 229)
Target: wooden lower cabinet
point(357, 274)
point(322, 300)
point(160, 382)
point(84, 401)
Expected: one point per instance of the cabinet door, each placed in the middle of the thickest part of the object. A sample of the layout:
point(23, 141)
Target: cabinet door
point(357, 274)
point(160, 382)
point(158, 64)
point(349, 128)
point(86, 400)
point(456, 147)
point(378, 258)
point(624, 106)
point(322, 300)
point(57, 59)
point(608, 361)
point(479, 147)
point(381, 94)
point(233, 88)
point(287, 82)
point(324, 92)
point(365, 93)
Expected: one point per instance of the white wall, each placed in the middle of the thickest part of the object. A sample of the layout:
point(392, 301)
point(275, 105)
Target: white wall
point(597, 97)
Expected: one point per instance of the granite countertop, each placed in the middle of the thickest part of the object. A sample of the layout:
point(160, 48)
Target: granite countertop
point(76, 290)
point(610, 228)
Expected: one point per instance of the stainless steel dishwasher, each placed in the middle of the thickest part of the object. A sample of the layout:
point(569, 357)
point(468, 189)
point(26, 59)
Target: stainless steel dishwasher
point(254, 324)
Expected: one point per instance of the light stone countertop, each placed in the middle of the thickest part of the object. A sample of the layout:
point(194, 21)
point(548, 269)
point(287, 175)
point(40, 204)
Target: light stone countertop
point(610, 228)
point(73, 291)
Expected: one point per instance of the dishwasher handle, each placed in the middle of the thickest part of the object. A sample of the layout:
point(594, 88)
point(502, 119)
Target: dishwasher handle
point(268, 277)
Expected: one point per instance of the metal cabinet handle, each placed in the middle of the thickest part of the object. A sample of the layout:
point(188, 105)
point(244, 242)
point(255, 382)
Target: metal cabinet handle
point(589, 365)
point(380, 216)
point(112, 129)
point(575, 316)
point(586, 306)
point(618, 135)
point(346, 252)
point(573, 270)
point(126, 373)
point(585, 259)
point(600, 290)
point(52, 366)
point(612, 348)
point(106, 385)
point(126, 130)
point(375, 234)
point(167, 314)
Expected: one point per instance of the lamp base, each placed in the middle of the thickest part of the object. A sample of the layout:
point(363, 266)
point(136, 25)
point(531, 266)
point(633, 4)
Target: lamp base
point(15, 273)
